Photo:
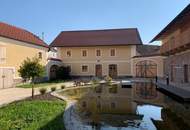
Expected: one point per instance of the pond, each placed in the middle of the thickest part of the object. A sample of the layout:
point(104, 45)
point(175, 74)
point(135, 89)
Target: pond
point(140, 107)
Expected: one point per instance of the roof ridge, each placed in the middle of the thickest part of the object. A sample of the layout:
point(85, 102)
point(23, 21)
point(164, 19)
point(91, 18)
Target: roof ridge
point(101, 30)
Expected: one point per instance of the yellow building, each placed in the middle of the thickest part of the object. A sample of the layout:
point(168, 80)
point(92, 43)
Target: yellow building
point(16, 45)
point(98, 52)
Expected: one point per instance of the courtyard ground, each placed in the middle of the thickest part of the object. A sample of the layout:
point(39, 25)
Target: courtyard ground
point(14, 94)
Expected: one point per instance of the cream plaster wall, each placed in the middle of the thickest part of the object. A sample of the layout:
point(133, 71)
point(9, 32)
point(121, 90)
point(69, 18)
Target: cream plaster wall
point(122, 58)
point(17, 52)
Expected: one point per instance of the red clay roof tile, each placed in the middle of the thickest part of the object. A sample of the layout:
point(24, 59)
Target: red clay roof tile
point(19, 34)
point(109, 37)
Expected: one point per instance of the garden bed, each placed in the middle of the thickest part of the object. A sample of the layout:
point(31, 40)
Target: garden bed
point(44, 112)
point(37, 85)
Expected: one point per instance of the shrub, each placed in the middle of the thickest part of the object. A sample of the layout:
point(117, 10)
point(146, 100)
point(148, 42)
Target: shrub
point(63, 73)
point(53, 89)
point(43, 91)
point(62, 86)
point(95, 80)
point(108, 80)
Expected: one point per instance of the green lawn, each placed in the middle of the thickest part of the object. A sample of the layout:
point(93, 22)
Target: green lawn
point(27, 85)
point(33, 115)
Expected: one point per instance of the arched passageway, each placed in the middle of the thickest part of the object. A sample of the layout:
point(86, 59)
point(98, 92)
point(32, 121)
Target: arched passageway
point(53, 70)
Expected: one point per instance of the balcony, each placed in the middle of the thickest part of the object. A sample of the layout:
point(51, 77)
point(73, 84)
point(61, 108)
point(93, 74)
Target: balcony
point(181, 43)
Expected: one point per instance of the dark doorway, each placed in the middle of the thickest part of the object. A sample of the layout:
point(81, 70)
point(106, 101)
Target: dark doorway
point(53, 71)
point(98, 70)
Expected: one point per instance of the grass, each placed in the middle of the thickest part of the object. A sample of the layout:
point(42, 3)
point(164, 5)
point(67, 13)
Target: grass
point(33, 115)
point(37, 85)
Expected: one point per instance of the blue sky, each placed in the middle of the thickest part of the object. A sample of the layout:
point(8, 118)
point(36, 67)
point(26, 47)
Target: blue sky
point(54, 16)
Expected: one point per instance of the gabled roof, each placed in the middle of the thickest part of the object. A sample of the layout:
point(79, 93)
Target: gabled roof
point(12, 32)
point(109, 37)
point(178, 20)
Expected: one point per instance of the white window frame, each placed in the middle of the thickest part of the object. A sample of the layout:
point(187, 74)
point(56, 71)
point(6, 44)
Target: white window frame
point(41, 55)
point(87, 68)
point(110, 52)
point(4, 57)
point(67, 55)
point(82, 53)
point(96, 52)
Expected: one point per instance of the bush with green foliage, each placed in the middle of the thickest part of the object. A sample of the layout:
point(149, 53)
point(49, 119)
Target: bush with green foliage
point(43, 91)
point(53, 89)
point(108, 80)
point(63, 73)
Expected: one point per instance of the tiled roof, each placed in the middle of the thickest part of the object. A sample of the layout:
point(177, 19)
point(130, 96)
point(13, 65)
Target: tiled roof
point(148, 50)
point(109, 37)
point(12, 32)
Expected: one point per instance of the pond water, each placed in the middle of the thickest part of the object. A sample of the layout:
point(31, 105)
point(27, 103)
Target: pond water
point(140, 107)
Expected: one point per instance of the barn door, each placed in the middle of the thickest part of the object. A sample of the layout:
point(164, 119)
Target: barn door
point(98, 70)
point(146, 69)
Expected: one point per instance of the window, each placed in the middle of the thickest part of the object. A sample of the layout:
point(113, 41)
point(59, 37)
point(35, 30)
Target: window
point(84, 68)
point(112, 52)
point(98, 53)
point(113, 105)
point(2, 54)
point(84, 53)
point(40, 55)
point(186, 73)
point(68, 53)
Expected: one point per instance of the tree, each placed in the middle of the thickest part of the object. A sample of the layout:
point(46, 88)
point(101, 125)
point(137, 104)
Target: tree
point(31, 69)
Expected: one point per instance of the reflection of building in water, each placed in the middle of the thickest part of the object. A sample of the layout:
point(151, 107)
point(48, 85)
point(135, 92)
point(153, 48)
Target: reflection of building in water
point(147, 93)
point(108, 102)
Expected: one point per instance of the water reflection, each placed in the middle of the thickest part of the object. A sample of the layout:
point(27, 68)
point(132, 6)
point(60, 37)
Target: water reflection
point(113, 107)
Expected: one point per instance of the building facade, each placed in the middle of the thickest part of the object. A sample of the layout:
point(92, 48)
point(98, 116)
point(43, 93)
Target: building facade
point(16, 45)
point(98, 52)
point(148, 63)
point(175, 38)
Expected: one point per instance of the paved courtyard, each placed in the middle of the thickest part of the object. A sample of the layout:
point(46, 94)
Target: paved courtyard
point(14, 94)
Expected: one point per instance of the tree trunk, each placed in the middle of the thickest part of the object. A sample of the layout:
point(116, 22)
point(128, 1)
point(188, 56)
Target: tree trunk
point(32, 90)
point(32, 87)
